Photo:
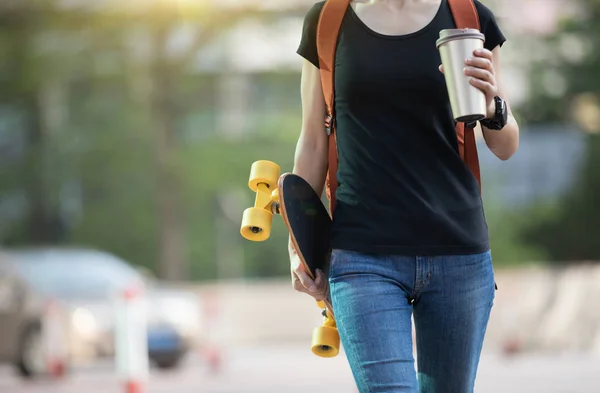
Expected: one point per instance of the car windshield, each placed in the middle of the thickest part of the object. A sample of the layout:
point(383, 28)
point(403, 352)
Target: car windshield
point(75, 274)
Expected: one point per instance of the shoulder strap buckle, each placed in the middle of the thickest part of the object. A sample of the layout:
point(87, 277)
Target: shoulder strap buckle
point(469, 125)
point(329, 124)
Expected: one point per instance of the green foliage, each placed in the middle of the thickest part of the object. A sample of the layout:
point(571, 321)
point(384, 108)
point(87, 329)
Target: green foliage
point(508, 245)
point(114, 165)
point(568, 68)
point(572, 234)
point(215, 166)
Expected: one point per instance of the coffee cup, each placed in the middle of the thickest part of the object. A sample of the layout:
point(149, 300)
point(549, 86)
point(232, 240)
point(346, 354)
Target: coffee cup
point(468, 103)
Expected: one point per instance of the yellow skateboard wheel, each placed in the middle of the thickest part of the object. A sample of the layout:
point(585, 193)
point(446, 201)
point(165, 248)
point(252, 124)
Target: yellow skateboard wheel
point(326, 342)
point(256, 224)
point(266, 172)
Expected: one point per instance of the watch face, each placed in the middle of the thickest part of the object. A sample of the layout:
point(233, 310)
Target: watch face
point(499, 105)
point(504, 112)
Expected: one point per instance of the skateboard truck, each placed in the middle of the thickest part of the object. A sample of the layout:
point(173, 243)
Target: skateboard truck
point(257, 220)
point(256, 226)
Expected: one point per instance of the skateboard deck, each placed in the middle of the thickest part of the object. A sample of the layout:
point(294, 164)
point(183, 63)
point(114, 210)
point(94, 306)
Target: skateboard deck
point(308, 223)
point(309, 226)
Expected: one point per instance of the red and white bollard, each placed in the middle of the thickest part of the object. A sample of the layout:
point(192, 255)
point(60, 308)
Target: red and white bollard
point(212, 354)
point(54, 343)
point(131, 346)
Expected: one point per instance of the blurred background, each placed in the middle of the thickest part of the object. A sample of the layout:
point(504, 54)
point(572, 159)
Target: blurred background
point(127, 131)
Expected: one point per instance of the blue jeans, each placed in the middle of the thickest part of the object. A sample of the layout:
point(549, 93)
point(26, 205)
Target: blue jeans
point(373, 299)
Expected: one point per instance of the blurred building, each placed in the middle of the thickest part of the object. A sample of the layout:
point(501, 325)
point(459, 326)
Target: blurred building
point(242, 56)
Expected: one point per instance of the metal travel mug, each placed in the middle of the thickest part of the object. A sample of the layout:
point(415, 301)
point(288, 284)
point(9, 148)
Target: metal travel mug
point(455, 46)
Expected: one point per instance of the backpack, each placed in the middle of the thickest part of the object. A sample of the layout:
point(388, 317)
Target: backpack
point(465, 16)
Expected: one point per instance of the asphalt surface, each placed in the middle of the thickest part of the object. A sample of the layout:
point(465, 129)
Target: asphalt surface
point(292, 369)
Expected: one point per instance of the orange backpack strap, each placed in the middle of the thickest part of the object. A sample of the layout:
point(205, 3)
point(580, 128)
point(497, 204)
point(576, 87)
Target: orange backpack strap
point(465, 16)
point(328, 28)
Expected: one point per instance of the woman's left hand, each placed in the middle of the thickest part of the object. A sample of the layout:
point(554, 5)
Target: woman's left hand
point(481, 70)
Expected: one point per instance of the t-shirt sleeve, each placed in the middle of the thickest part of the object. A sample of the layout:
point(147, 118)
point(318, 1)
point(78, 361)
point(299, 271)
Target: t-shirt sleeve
point(489, 27)
point(308, 41)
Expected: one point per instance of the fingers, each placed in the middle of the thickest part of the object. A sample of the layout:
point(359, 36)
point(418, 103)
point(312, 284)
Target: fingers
point(483, 58)
point(301, 280)
point(479, 73)
point(317, 288)
point(481, 70)
point(483, 53)
point(480, 62)
point(306, 283)
point(322, 285)
point(321, 280)
point(488, 88)
point(481, 78)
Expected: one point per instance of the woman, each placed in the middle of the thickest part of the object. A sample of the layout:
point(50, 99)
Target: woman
point(409, 233)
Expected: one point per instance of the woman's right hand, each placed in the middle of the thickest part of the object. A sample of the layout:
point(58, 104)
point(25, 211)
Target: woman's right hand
point(301, 281)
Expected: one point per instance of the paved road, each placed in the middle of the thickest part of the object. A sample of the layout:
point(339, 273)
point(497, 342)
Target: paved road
point(291, 369)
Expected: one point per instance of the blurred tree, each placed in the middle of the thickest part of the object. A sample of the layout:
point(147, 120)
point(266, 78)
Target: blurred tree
point(32, 91)
point(55, 60)
point(104, 94)
point(566, 88)
point(564, 75)
point(165, 71)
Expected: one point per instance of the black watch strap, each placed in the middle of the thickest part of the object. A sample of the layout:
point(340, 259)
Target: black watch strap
point(500, 116)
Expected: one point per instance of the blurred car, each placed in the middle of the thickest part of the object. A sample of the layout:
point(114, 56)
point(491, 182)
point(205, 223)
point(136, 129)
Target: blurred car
point(85, 282)
point(174, 324)
point(21, 309)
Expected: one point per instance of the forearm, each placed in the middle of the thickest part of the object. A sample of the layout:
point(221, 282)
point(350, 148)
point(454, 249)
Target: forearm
point(310, 163)
point(503, 143)
point(310, 160)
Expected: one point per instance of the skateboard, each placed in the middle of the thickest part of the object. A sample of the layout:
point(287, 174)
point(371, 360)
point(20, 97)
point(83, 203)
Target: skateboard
point(308, 223)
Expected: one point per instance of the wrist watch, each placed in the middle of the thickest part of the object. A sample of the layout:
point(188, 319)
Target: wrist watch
point(500, 116)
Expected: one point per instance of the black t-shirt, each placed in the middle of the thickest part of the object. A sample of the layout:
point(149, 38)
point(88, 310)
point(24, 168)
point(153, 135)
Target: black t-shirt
point(403, 187)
